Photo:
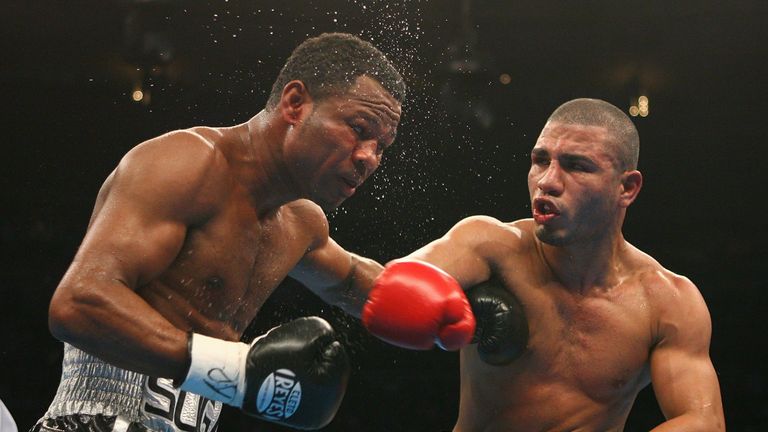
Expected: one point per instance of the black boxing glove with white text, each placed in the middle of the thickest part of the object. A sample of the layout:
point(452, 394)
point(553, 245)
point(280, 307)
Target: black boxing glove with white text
point(296, 374)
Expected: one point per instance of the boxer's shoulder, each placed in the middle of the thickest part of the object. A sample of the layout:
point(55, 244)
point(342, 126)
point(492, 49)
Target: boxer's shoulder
point(195, 141)
point(492, 234)
point(479, 225)
point(678, 311)
point(665, 287)
point(672, 298)
point(304, 208)
point(183, 168)
point(182, 155)
point(652, 276)
point(308, 218)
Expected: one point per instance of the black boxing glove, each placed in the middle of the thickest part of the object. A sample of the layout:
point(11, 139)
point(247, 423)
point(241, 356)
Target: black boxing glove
point(502, 329)
point(295, 374)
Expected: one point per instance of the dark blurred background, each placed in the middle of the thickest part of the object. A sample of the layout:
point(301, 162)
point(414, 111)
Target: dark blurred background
point(483, 76)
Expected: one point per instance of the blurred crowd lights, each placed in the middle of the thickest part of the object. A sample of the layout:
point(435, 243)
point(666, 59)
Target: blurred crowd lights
point(640, 107)
point(140, 95)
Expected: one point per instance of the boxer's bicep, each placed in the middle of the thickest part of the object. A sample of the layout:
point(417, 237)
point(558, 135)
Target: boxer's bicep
point(463, 252)
point(129, 243)
point(140, 223)
point(683, 377)
point(137, 230)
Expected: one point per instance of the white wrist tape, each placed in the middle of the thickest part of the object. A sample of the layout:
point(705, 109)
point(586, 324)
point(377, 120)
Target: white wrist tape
point(217, 369)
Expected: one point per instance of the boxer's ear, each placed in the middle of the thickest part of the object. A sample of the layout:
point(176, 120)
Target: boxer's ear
point(631, 183)
point(295, 102)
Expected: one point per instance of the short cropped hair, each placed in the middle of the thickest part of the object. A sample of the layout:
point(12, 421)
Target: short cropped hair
point(330, 63)
point(596, 112)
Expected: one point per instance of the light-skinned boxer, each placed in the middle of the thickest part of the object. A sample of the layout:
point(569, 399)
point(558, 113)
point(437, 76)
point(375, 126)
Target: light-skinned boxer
point(590, 319)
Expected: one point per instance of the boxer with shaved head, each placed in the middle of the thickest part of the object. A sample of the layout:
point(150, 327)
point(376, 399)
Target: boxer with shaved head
point(583, 319)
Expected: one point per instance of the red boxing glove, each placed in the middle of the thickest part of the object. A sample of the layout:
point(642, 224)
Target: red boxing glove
point(416, 305)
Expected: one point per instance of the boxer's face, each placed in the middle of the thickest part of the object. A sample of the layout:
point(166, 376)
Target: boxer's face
point(573, 183)
point(341, 143)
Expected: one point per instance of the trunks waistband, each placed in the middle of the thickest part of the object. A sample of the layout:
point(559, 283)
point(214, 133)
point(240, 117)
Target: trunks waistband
point(89, 385)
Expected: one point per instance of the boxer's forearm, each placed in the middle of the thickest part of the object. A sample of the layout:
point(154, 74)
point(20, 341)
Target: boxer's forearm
point(364, 271)
point(117, 325)
point(351, 293)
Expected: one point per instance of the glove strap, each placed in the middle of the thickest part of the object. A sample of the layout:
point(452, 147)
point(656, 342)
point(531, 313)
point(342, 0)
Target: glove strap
point(217, 369)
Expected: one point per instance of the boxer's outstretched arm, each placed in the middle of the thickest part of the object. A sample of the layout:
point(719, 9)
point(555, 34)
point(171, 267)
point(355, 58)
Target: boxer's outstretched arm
point(337, 276)
point(683, 377)
point(137, 229)
point(418, 301)
point(345, 279)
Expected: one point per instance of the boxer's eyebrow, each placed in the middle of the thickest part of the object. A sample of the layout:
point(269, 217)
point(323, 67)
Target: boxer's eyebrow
point(575, 158)
point(539, 153)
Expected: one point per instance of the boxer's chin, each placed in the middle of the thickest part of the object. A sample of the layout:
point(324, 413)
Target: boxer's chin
point(550, 237)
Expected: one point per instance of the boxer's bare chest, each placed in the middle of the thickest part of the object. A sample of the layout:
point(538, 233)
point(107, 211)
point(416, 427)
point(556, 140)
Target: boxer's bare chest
point(597, 343)
point(586, 359)
point(594, 345)
point(228, 267)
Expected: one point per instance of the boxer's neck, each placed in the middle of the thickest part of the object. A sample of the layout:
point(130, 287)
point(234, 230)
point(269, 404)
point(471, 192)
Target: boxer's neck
point(583, 267)
point(264, 174)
